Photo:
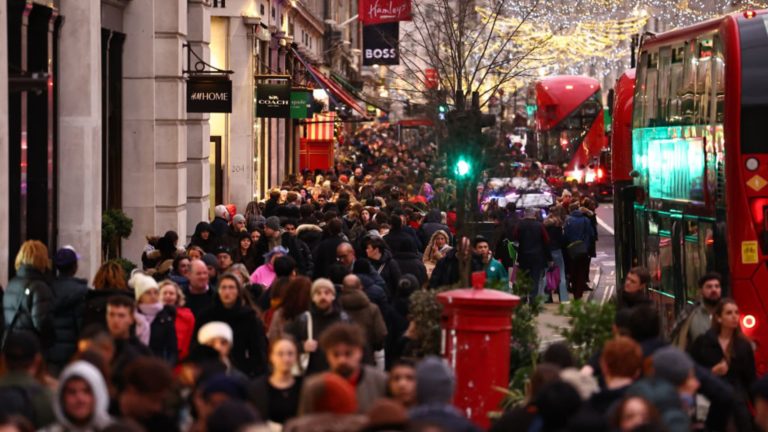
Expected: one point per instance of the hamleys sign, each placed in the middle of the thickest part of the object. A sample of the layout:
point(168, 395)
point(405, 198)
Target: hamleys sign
point(384, 11)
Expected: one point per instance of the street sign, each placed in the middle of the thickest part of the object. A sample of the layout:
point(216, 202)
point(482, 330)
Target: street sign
point(301, 104)
point(381, 44)
point(384, 11)
point(273, 101)
point(209, 95)
point(431, 79)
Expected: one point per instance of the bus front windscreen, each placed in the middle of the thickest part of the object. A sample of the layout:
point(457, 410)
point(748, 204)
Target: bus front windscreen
point(558, 144)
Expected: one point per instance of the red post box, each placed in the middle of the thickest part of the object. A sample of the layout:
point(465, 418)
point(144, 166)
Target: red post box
point(476, 336)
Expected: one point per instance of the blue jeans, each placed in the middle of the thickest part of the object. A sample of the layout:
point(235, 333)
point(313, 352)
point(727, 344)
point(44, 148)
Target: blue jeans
point(557, 257)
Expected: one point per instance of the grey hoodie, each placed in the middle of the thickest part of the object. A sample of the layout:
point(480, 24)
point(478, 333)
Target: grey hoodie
point(100, 418)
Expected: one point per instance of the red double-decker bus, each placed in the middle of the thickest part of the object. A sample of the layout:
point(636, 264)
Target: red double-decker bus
point(569, 127)
point(699, 167)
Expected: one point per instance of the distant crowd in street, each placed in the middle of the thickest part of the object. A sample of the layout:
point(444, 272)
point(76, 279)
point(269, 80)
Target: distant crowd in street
point(294, 314)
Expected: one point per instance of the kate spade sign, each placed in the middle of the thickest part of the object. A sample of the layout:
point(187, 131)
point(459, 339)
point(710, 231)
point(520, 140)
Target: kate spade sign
point(209, 95)
point(273, 101)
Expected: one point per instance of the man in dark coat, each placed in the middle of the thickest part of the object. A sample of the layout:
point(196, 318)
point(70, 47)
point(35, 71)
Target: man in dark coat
point(578, 232)
point(219, 225)
point(447, 271)
point(382, 261)
point(274, 237)
point(325, 254)
point(432, 223)
point(533, 253)
point(69, 292)
point(405, 249)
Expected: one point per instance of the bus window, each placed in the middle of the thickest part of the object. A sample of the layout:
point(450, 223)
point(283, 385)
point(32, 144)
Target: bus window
point(676, 84)
point(704, 79)
point(694, 259)
point(689, 83)
point(718, 90)
point(651, 88)
point(638, 112)
point(665, 62)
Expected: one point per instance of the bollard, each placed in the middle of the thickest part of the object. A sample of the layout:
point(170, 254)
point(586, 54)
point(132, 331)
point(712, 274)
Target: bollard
point(475, 340)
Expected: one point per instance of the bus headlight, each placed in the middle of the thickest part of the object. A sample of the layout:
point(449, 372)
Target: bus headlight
point(752, 164)
point(748, 321)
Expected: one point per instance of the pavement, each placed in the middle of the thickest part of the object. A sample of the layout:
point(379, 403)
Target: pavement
point(602, 274)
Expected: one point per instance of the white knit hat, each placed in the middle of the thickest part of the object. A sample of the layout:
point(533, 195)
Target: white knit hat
point(213, 330)
point(141, 283)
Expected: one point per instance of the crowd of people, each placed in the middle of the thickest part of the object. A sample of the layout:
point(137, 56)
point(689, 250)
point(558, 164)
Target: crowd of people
point(295, 315)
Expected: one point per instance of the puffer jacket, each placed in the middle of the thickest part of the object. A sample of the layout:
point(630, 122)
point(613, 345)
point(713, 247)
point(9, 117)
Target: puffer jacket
point(67, 319)
point(389, 270)
point(185, 329)
point(411, 263)
point(28, 304)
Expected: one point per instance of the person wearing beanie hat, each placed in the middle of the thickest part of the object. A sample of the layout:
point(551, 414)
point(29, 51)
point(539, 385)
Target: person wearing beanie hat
point(435, 384)
point(676, 367)
point(274, 237)
point(69, 292)
point(327, 403)
point(224, 258)
point(309, 327)
point(155, 322)
point(231, 238)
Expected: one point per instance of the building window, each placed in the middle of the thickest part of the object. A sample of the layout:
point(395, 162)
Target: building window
point(273, 12)
point(261, 9)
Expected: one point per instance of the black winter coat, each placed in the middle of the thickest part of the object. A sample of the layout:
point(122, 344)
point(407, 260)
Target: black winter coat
point(219, 227)
point(68, 308)
point(95, 311)
point(533, 252)
point(249, 341)
point(389, 270)
point(325, 255)
point(446, 270)
point(411, 263)
point(208, 246)
point(400, 241)
point(707, 352)
point(294, 250)
point(162, 336)
point(30, 300)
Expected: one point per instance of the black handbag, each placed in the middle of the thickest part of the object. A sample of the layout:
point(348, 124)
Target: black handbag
point(576, 250)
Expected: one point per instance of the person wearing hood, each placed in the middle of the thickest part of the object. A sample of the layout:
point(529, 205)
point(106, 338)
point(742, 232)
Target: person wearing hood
point(432, 224)
point(435, 384)
point(155, 321)
point(81, 401)
point(204, 237)
point(437, 247)
point(578, 233)
point(405, 249)
point(265, 274)
point(69, 292)
point(249, 344)
point(308, 327)
point(245, 253)
point(365, 314)
point(381, 259)
point(220, 222)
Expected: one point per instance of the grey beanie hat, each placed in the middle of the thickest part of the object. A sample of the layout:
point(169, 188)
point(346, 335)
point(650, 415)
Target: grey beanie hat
point(273, 223)
point(435, 382)
point(238, 218)
point(672, 365)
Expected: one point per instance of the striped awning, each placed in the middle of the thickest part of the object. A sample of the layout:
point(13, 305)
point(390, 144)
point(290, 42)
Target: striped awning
point(320, 127)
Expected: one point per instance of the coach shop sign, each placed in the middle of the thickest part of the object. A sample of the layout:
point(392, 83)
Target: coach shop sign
point(273, 101)
point(209, 95)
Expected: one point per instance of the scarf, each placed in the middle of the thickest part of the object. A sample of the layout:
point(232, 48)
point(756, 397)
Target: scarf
point(144, 316)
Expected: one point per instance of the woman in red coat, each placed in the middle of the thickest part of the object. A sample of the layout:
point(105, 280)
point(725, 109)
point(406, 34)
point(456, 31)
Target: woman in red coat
point(171, 294)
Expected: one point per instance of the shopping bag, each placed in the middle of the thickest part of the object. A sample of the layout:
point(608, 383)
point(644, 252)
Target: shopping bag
point(553, 279)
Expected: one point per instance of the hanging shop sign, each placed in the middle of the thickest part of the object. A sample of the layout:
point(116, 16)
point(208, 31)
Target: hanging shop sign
point(384, 11)
point(380, 44)
point(273, 101)
point(209, 95)
point(301, 104)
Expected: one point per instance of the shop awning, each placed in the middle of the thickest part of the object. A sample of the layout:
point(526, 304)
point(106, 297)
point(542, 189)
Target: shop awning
point(349, 87)
point(331, 87)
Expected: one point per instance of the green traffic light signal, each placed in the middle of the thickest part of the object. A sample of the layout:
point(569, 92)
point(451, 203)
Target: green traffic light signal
point(442, 108)
point(462, 168)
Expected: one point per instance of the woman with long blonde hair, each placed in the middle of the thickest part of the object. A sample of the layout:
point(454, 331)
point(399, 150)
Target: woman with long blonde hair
point(28, 300)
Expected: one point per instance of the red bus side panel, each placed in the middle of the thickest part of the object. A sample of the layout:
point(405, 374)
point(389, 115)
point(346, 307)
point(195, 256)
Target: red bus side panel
point(621, 141)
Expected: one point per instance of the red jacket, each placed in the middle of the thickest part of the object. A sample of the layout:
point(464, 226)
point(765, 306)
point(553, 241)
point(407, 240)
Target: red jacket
point(185, 327)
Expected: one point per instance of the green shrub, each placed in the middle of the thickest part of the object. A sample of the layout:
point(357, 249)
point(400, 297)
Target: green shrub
point(590, 326)
point(127, 265)
point(115, 225)
point(426, 311)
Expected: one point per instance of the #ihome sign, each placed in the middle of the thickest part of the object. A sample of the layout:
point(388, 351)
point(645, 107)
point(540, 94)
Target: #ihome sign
point(273, 101)
point(209, 95)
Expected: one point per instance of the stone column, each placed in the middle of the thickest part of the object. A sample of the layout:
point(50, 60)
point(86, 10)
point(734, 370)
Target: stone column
point(198, 129)
point(80, 132)
point(239, 168)
point(154, 121)
point(4, 144)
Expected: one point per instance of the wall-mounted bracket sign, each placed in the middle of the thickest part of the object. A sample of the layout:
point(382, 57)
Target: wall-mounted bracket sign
point(209, 89)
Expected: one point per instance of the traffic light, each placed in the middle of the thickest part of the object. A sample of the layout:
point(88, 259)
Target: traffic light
point(442, 110)
point(462, 168)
